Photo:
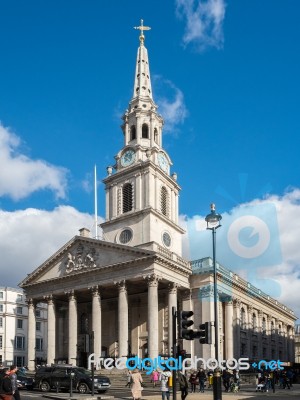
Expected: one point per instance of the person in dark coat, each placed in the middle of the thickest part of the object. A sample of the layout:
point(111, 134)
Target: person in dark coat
point(6, 391)
point(201, 375)
point(13, 377)
point(183, 384)
point(226, 379)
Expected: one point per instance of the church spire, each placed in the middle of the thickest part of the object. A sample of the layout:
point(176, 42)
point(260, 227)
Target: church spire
point(142, 82)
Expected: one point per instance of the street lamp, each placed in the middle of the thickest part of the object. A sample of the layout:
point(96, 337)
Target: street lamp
point(213, 223)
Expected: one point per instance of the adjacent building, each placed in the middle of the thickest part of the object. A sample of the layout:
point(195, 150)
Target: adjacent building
point(114, 296)
point(14, 329)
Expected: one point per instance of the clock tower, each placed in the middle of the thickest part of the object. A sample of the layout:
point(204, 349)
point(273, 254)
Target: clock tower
point(141, 193)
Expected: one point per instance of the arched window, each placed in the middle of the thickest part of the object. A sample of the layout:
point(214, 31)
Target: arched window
point(127, 197)
point(164, 201)
point(132, 132)
point(243, 318)
point(145, 131)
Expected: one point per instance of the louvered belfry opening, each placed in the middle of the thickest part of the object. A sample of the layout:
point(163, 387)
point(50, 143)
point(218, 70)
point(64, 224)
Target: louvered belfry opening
point(164, 201)
point(127, 197)
point(132, 132)
point(145, 131)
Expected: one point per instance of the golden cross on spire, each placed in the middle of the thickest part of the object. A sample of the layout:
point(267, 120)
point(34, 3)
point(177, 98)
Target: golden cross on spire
point(142, 28)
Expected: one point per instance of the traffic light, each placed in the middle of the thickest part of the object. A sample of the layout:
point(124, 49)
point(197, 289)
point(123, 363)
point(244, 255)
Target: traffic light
point(205, 333)
point(184, 324)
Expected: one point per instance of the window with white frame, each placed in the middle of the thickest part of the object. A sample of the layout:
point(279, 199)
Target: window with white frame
point(38, 325)
point(38, 313)
point(1, 307)
point(1, 341)
point(1, 322)
point(19, 323)
point(19, 310)
point(19, 342)
point(1, 295)
point(39, 344)
point(19, 297)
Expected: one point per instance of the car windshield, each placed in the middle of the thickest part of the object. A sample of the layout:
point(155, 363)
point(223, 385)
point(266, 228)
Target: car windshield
point(84, 371)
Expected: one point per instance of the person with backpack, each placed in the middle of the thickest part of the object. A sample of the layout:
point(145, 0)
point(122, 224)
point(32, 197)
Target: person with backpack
point(6, 390)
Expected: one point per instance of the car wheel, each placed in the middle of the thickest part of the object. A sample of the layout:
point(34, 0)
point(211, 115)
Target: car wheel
point(83, 388)
point(44, 386)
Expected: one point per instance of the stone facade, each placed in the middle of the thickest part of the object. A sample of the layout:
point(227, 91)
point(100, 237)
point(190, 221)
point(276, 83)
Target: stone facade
point(114, 296)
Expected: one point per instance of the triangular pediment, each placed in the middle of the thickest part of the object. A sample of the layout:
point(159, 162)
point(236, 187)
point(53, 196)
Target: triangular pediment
point(83, 254)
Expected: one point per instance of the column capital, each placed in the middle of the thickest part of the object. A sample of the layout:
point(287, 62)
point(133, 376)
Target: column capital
point(122, 287)
point(260, 314)
point(229, 303)
point(95, 290)
point(71, 294)
point(237, 302)
point(31, 303)
point(250, 308)
point(172, 287)
point(186, 294)
point(49, 299)
point(152, 280)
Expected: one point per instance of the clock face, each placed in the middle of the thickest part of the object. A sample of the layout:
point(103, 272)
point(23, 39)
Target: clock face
point(127, 158)
point(163, 162)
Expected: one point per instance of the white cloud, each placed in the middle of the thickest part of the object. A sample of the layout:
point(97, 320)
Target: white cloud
point(173, 108)
point(20, 176)
point(28, 237)
point(280, 276)
point(204, 22)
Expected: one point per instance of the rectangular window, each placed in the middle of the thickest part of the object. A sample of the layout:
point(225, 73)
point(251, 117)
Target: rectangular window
point(1, 307)
point(19, 361)
point(0, 341)
point(39, 344)
point(19, 297)
point(19, 310)
point(1, 322)
point(1, 359)
point(1, 295)
point(19, 342)
point(38, 326)
point(19, 323)
point(38, 313)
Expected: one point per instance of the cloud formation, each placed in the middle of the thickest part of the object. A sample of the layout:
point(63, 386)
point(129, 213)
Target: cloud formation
point(204, 22)
point(28, 237)
point(172, 107)
point(277, 275)
point(20, 176)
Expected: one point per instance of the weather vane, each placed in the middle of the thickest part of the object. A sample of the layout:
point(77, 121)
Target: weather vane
point(142, 28)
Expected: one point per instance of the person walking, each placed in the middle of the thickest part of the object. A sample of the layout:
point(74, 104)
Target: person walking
point(183, 384)
point(129, 378)
point(155, 377)
point(136, 388)
point(193, 381)
point(6, 391)
point(14, 383)
point(164, 386)
point(201, 376)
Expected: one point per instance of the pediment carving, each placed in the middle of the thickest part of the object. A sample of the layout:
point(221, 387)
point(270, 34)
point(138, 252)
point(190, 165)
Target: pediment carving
point(81, 258)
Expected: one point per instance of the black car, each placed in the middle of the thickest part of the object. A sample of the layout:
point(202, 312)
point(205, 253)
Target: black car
point(59, 377)
point(23, 381)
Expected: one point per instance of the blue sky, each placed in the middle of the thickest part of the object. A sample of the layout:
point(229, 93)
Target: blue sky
point(226, 78)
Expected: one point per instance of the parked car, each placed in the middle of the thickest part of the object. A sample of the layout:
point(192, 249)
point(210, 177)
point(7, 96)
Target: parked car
point(58, 377)
point(24, 381)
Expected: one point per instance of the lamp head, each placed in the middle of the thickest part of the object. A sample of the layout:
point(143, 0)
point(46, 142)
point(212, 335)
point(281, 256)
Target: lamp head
point(213, 219)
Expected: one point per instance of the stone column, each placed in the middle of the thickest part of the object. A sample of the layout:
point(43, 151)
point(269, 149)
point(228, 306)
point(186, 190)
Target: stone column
point(123, 319)
point(260, 335)
point(31, 335)
point(96, 321)
point(72, 353)
point(250, 329)
point(236, 328)
point(172, 302)
point(51, 343)
point(228, 330)
point(152, 316)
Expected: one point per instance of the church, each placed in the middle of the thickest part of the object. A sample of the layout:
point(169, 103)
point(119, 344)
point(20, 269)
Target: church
point(114, 296)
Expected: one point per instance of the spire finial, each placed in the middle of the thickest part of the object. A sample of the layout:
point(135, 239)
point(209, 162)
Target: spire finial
point(142, 28)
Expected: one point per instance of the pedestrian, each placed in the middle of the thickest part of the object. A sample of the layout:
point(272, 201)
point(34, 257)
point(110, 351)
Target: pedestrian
point(210, 376)
point(164, 386)
point(183, 384)
point(155, 377)
point(201, 376)
point(6, 391)
point(14, 383)
point(129, 378)
point(193, 381)
point(226, 379)
point(136, 388)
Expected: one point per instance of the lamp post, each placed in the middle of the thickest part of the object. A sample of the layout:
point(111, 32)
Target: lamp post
point(213, 223)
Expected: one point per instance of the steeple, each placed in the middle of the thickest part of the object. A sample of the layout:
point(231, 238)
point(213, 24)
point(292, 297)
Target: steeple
point(142, 81)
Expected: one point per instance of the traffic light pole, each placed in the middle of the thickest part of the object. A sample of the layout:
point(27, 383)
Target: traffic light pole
point(174, 331)
point(217, 386)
